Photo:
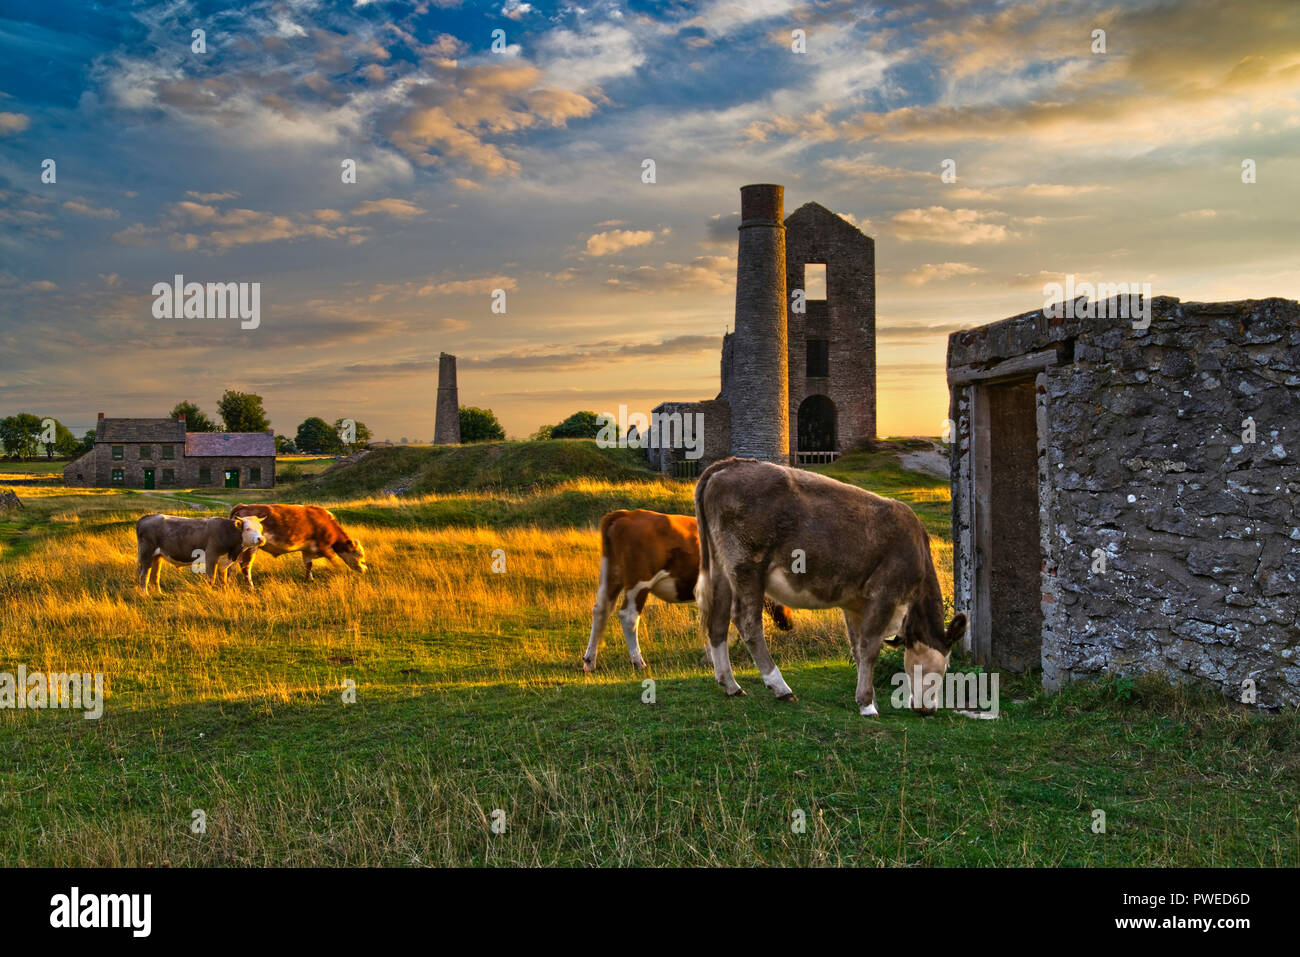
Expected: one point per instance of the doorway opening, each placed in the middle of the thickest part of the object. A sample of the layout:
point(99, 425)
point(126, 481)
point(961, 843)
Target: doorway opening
point(232, 478)
point(1008, 575)
point(817, 424)
point(148, 478)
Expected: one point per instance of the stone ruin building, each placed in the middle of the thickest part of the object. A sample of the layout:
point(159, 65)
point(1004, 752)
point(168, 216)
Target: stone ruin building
point(1126, 499)
point(446, 425)
point(798, 373)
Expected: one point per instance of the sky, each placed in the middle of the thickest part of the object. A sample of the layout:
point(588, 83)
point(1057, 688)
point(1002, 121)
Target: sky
point(520, 169)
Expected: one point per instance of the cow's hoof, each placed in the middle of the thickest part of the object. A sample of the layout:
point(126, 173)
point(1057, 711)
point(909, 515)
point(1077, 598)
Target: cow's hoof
point(587, 666)
point(869, 711)
point(640, 665)
point(787, 697)
point(738, 693)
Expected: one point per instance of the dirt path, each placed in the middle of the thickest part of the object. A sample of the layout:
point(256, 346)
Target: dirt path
point(931, 461)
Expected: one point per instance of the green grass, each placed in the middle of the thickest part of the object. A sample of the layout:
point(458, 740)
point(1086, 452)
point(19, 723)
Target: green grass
point(469, 699)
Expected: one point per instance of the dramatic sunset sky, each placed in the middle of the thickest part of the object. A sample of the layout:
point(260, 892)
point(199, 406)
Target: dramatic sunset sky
point(521, 170)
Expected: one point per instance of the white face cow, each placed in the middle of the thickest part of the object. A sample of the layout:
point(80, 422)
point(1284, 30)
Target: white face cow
point(252, 532)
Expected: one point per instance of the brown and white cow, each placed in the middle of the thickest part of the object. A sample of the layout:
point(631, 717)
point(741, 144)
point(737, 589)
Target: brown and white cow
point(210, 545)
point(812, 542)
point(309, 529)
point(646, 553)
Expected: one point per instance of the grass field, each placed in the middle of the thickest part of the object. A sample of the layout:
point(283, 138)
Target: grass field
point(470, 701)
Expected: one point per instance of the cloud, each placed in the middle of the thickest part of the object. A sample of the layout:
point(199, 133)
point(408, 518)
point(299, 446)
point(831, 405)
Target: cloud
point(709, 273)
point(613, 240)
point(188, 225)
point(938, 224)
point(83, 208)
point(481, 286)
point(457, 117)
point(599, 353)
point(397, 208)
point(211, 197)
point(11, 123)
point(936, 272)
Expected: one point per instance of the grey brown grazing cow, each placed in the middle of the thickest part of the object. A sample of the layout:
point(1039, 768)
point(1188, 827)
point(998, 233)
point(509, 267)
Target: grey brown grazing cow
point(210, 545)
point(309, 529)
point(644, 553)
point(809, 541)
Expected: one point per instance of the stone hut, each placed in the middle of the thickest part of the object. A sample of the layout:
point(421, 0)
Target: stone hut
point(1126, 492)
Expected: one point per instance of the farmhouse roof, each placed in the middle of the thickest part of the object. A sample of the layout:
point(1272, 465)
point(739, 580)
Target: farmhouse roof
point(200, 444)
point(140, 430)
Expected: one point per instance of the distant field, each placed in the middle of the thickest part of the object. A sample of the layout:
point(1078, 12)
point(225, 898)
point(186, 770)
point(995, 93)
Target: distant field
point(469, 699)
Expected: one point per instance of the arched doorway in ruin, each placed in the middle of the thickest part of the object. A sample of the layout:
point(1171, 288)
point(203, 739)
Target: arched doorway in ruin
point(817, 424)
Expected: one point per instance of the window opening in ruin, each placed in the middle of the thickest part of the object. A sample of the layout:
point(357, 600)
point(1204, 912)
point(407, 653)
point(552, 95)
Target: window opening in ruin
point(814, 281)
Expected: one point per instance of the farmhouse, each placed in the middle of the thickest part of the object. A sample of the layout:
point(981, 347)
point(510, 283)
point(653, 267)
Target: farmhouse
point(158, 453)
point(1126, 494)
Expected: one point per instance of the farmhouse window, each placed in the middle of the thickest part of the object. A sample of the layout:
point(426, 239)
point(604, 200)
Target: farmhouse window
point(169, 451)
point(146, 451)
point(205, 475)
point(819, 359)
point(119, 453)
point(119, 476)
point(169, 476)
point(254, 475)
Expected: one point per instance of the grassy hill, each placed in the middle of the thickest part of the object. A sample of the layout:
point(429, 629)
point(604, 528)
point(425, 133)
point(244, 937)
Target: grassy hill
point(488, 465)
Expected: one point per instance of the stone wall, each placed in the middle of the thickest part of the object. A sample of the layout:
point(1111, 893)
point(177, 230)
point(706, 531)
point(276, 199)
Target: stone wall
point(717, 434)
point(218, 466)
point(846, 319)
point(1142, 456)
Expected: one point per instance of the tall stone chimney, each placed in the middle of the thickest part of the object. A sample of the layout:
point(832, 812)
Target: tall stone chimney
point(446, 428)
point(759, 385)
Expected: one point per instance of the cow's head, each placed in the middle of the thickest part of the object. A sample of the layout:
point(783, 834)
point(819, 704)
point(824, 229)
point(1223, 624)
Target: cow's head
point(251, 529)
point(353, 555)
point(927, 647)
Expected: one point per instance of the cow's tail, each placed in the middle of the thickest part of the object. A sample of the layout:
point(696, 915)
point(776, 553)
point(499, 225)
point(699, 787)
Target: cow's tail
point(605, 523)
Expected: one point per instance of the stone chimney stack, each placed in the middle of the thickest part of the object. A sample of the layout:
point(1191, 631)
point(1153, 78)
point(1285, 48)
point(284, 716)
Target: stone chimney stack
point(760, 375)
point(101, 415)
point(446, 428)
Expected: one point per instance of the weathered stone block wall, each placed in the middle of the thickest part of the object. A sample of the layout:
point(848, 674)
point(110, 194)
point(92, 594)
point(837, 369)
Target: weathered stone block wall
point(189, 476)
point(717, 433)
point(1141, 433)
point(846, 319)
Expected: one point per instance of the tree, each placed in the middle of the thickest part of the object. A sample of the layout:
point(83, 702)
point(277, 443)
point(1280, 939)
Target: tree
point(196, 420)
point(87, 441)
point(21, 434)
point(360, 437)
point(479, 425)
point(242, 412)
point(284, 445)
point(65, 444)
point(542, 434)
point(316, 436)
point(580, 425)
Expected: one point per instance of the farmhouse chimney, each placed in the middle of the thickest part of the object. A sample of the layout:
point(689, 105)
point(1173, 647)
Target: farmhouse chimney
point(101, 415)
point(760, 375)
point(446, 427)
